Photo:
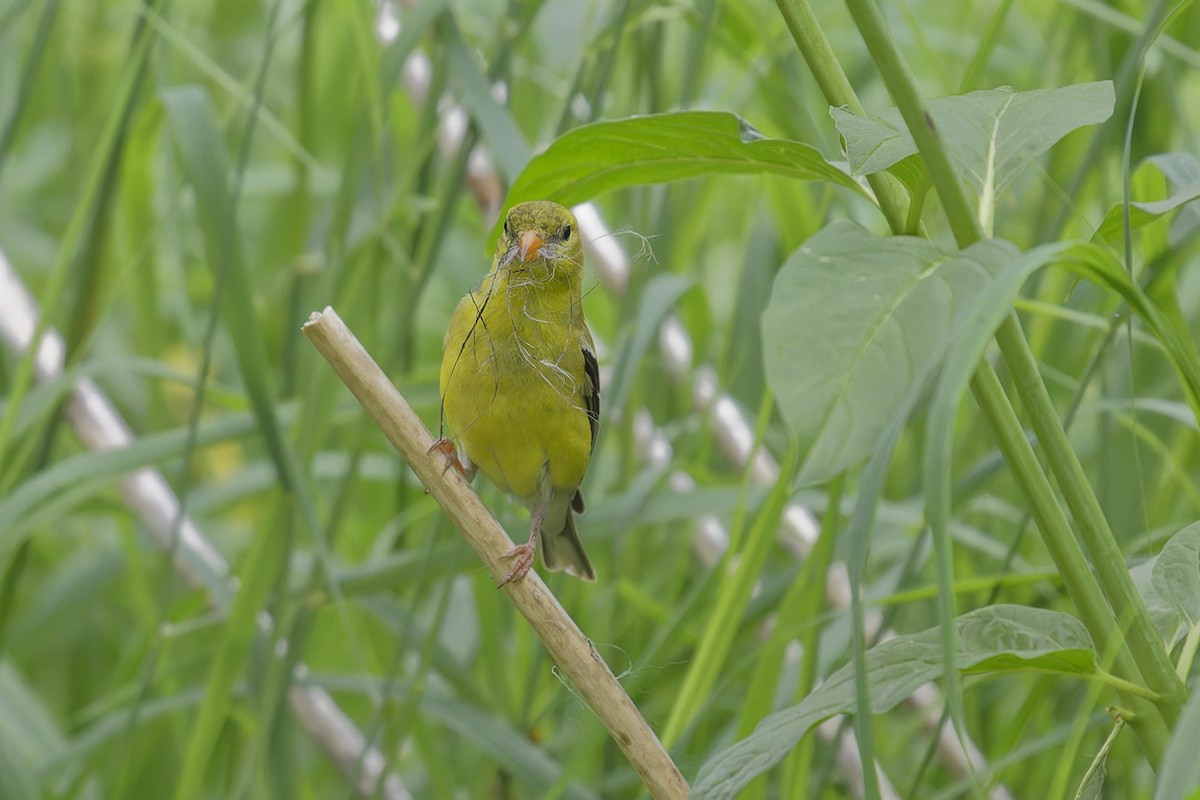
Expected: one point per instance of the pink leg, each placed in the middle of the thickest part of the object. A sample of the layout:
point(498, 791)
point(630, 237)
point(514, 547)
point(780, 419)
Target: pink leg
point(523, 554)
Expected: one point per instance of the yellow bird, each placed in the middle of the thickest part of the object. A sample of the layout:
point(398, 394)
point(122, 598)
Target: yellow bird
point(519, 384)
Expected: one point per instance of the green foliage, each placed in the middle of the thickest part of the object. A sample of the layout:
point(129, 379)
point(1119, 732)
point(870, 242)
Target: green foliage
point(1180, 170)
point(992, 135)
point(1181, 770)
point(1177, 574)
point(991, 639)
point(871, 313)
point(603, 156)
point(181, 184)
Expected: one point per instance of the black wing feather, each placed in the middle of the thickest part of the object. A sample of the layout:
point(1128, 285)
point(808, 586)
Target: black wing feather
point(591, 403)
point(591, 393)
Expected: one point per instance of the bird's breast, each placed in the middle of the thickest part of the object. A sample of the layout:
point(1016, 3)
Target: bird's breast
point(512, 391)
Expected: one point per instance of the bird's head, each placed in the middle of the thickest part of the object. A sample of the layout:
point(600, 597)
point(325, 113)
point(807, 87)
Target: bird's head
point(542, 237)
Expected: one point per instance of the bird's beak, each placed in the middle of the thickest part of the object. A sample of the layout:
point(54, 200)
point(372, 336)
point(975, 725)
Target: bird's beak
point(530, 246)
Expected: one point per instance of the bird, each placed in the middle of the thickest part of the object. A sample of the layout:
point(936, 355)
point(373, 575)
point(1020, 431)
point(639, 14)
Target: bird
point(520, 386)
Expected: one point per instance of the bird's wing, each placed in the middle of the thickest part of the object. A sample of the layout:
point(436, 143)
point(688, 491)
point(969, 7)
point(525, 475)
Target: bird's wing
point(591, 389)
point(591, 403)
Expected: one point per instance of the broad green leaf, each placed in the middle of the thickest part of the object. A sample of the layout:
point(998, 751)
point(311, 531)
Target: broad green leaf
point(658, 148)
point(992, 135)
point(1003, 637)
point(974, 330)
point(1180, 169)
point(1176, 576)
point(1182, 172)
point(851, 322)
point(873, 145)
point(1162, 613)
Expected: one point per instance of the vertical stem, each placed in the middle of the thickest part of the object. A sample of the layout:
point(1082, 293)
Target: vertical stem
point(1147, 658)
point(1146, 646)
point(1109, 561)
point(810, 38)
point(1066, 552)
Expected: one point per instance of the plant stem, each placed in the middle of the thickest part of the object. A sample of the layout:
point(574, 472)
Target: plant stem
point(1065, 550)
point(1147, 652)
point(810, 38)
point(1145, 644)
point(1109, 561)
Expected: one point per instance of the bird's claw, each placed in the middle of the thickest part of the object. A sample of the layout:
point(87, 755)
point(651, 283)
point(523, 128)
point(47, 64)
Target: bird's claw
point(522, 554)
point(447, 448)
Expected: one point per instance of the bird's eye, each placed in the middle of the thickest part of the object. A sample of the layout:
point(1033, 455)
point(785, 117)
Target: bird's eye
point(507, 230)
point(566, 232)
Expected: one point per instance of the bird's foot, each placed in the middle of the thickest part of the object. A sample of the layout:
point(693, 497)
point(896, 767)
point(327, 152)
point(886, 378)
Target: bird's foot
point(447, 448)
point(522, 556)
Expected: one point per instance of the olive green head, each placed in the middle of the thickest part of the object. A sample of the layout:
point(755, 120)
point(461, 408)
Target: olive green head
point(542, 237)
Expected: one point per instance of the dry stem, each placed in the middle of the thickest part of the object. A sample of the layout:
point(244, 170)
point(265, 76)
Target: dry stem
point(571, 650)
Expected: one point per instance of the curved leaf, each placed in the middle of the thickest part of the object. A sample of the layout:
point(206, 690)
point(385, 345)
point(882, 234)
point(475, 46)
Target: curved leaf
point(1176, 576)
point(1179, 777)
point(1162, 612)
point(992, 135)
point(1182, 172)
point(851, 321)
point(1001, 637)
point(658, 148)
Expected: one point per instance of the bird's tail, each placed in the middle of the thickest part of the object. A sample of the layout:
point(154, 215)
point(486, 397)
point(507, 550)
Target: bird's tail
point(564, 551)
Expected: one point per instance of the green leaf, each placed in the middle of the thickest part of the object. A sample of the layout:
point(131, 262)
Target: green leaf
point(659, 148)
point(28, 735)
point(1162, 613)
point(196, 131)
point(973, 330)
point(1182, 172)
point(1002, 637)
point(851, 321)
point(659, 297)
point(510, 151)
point(1176, 576)
point(1179, 777)
point(1098, 265)
point(194, 126)
point(48, 496)
point(529, 763)
point(992, 135)
point(873, 145)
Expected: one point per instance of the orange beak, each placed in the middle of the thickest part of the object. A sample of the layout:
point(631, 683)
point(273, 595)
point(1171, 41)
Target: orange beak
point(531, 246)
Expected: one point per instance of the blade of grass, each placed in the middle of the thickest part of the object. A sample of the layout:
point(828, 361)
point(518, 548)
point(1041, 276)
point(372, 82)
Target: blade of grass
point(259, 572)
point(29, 72)
point(79, 230)
point(741, 568)
point(803, 600)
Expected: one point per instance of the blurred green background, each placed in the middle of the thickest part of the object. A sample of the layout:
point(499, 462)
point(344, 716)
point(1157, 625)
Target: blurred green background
point(182, 183)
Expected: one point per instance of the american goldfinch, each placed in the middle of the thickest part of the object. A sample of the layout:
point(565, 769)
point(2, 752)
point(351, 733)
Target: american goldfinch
point(519, 384)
